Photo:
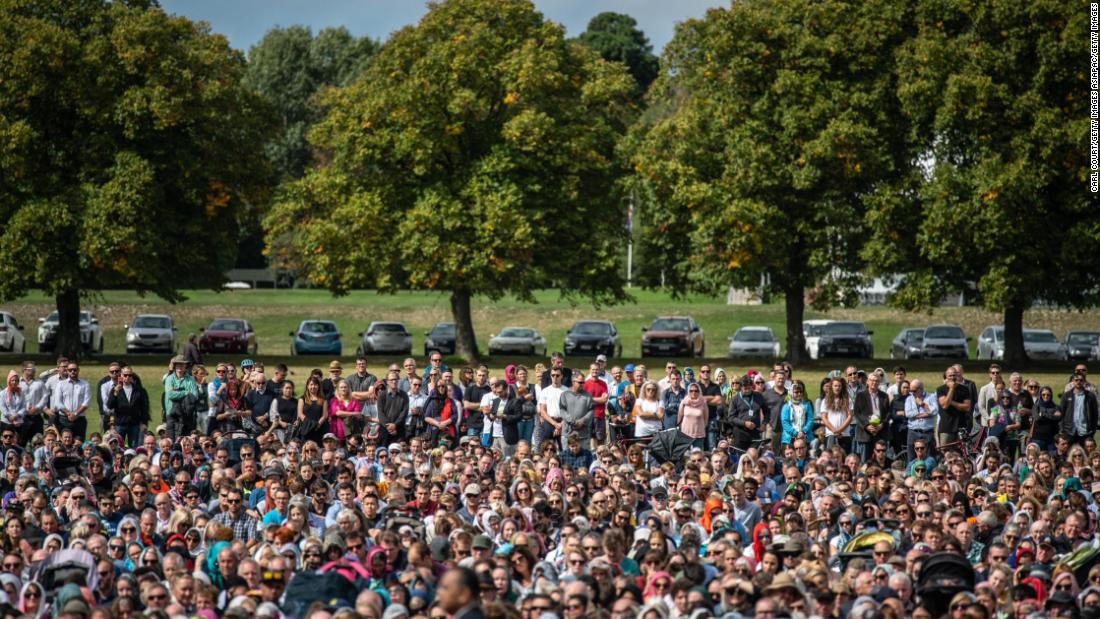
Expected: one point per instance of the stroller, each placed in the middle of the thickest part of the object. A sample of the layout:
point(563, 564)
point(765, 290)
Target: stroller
point(62, 567)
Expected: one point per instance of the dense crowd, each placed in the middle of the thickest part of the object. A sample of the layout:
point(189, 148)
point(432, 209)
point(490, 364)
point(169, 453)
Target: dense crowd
point(545, 492)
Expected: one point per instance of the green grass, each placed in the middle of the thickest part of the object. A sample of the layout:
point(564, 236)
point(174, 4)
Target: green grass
point(274, 313)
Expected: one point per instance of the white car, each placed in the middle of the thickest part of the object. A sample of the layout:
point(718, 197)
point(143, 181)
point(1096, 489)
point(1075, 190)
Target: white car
point(758, 342)
point(91, 335)
point(11, 334)
point(991, 343)
point(1043, 344)
point(811, 331)
point(151, 333)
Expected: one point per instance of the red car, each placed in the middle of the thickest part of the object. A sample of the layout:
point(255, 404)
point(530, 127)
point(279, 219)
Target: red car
point(228, 335)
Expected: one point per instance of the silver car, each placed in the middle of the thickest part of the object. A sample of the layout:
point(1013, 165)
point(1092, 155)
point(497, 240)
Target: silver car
point(385, 337)
point(754, 342)
point(151, 333)
point(517, 340)
point(945, 341)
point(11, 334)
point(991, 343)
point(1043, 344)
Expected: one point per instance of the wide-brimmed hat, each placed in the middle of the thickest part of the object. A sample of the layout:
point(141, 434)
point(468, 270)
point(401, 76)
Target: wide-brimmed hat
point(179, 360)
point(782, 581)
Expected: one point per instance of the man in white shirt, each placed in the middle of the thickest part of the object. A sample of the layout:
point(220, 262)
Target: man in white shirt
point(36, 397)
point(988, 392)
point(69, 401)
point(664, 383)
point(549, 409)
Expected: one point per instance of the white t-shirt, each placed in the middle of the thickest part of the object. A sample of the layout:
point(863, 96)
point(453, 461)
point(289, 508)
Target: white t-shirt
point(550, 397)
point(487, 402)
point(836, 418)
point(648, 427)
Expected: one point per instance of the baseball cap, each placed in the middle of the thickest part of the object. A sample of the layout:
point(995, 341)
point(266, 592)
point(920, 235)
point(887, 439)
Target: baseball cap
point(629, 367)
point(273, 471)
point(473, 489)
point(481, 542)
point(329, 436)
point(247, 363)
point(601, 358)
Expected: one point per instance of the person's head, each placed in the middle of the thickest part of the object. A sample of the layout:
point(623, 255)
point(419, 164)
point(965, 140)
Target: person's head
point(457, 588)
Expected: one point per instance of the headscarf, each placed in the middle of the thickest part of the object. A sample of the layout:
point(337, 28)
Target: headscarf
point(1060, 576)
point(211, 566)
point(551, 475)
point(23, 595)
point(498, 539)
point(649, 590)
point(9, 387)
point(708, 507)
point(699, 401)
point(757, 545)
point(725, 388)
point(371, 554)
point(483, 522)
point(510, 374)
point(1040, 588)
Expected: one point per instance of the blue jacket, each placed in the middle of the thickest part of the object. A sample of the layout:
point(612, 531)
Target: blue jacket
point(789, 431)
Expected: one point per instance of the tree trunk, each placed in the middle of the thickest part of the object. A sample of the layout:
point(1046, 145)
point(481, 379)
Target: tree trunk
point(1015, 355)
point(68, 325)
point(465, 342)
point(796, 309)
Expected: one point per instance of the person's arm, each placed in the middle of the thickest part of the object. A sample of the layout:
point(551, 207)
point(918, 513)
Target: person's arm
point(85, 399)
point(588, 413)
point(602, 399)
point(680, 414)
point(809, 418)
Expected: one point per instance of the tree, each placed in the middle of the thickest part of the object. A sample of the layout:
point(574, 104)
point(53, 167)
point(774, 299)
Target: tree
point(475, 156)
point(127, 150)
point(289, 67)
point(994, 93)
point(616, 36)
point(783, 122)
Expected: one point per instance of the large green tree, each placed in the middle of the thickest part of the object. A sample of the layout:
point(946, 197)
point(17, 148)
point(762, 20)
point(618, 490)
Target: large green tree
point(782, 122)
point(996, 91)
point(126, 150)
point(476, 155)
point(617, 37)
point(289, 67)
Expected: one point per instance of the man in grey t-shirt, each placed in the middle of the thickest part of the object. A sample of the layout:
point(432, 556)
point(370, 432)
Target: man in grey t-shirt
point(577, 409)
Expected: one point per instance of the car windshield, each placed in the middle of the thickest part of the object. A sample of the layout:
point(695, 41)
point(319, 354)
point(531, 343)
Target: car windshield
point(443, 329)
point(1040, 337)
point(226, 325)
point(517, 332)
point(319, 327)
point(52, 316)
point(844, 328)
point(591, 328)
point(753, 335)
point(388, 327)
point(944, 333)
point(813, 330)
point(153, 322)
point(916, 335)
point(84, 317)
point(1083, 338)
point(670, 324)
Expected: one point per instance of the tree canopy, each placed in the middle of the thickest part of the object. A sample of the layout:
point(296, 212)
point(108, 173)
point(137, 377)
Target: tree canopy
point(783, 121)
point(616, 36)
point(993, 90)
point(472, 156)
point(126, 151)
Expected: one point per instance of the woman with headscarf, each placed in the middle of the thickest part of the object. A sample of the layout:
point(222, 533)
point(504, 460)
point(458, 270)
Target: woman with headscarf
point(13, 406)
point(554, 477)
point(30, 598)
point(713, 503)
point(489, 523)
point(693, 415)
point(746, 467)
point(657, 587)
point(510, 374)
point(761, 537)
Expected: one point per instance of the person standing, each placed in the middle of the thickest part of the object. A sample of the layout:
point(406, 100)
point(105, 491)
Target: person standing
point(130, 404)
point(775, 397)
point(577, 410)
point(955, 404)
point(102, 389)
point(181, 400)
point(1079, 411)
point(550, 409)
point(393, 411)
point(691, 416)
point(921, 409)
point(836, 414)
point(672, 393)
point(69, 402)
point(871, 410)
point(746, 414)
point(37, 397)
point(597, 387)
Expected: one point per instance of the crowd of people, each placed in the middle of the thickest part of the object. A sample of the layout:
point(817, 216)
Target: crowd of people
point(534, 492)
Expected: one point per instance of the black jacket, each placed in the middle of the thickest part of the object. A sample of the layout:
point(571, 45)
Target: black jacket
point(128, 411)
point(393, 407)
point(742, 410)
point(863, 411)
point(1068, 424)
point(513, 415)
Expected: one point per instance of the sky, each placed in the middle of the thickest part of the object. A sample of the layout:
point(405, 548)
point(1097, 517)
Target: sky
point(244, 22)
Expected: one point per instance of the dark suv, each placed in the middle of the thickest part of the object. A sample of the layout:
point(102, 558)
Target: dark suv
point(593, 336)
point(845, 338)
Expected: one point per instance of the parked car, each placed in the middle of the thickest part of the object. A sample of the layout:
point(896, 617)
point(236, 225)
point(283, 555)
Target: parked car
point(749, 342)
point(385, 337)
point(521, 340)
point(229, 335)
point(811, 333)
point(1079, 344)
point(593, 336)
point(945, 341)
point(11, 334)
point(150, 333)
point(440, 339)
point(907, 343)
point(1043, 344)
point(673, 335)
point(91, 335)
point(845, 338)
point(316, 337)
point(991, 343)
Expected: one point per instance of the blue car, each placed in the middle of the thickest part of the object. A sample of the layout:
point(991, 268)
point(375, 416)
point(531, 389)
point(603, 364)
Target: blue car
point(316, 337)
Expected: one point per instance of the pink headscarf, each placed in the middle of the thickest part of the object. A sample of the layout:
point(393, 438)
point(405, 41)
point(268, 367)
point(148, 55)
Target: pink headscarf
point(649, 590)
point(510, 374)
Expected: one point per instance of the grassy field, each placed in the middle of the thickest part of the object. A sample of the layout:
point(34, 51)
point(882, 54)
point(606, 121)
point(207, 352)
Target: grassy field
point(274, 313)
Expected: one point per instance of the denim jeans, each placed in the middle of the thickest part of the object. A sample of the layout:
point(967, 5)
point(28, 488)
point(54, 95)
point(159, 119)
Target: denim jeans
point(131, 433)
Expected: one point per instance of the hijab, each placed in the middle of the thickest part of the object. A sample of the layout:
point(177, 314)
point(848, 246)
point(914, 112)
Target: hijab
point(653, 578)
point(698, 402)
point(708, 520)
